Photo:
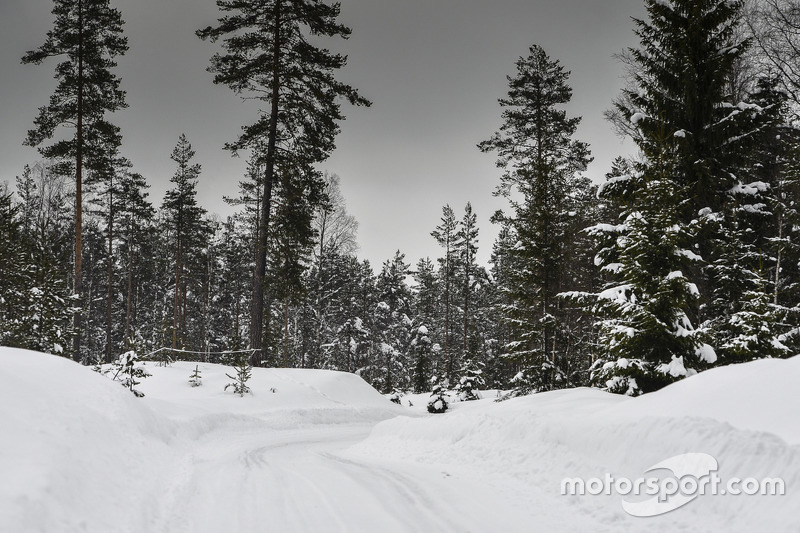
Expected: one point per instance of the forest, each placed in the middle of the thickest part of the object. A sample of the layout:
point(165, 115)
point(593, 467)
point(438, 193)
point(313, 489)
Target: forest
point(686, 257)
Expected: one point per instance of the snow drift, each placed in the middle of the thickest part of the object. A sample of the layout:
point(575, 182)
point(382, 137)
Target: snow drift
point(746, 416)
point(78, 452)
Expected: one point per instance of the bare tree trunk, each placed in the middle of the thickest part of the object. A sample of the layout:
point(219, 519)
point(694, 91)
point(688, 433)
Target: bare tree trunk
point(778, 260)
point(110, 269)
point(257, 313)
point(177, 295)
point(286, 332)
point(129, 296)
point(77, 324)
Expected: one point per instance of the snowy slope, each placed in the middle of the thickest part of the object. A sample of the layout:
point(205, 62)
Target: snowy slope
point(746, 416)
point(317, 451)
point(79, 453)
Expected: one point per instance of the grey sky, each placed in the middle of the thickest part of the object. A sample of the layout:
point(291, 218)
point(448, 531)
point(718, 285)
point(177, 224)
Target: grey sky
point(434, 70)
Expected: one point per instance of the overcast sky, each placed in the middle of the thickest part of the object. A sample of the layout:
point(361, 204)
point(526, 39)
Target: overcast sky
point(434, 70)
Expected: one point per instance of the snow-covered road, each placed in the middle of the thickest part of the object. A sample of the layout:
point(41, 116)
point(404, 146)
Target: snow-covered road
point(304, 481)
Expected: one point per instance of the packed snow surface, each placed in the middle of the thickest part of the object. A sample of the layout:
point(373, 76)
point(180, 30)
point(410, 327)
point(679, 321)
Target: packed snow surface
point(318, 451)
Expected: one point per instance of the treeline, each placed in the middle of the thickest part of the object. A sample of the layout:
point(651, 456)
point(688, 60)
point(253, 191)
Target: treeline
point(686, 257)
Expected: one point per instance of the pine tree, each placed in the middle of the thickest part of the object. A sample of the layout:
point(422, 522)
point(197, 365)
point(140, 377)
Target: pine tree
point(542, 162)
point(445, 235)
point(87, 34)
point(269, 56)
point(186, 224)
point(466, 246)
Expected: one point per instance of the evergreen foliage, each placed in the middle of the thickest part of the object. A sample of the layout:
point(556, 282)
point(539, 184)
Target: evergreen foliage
point(196, 379)
point(129, 372)
point(243, 374)
point(471, 381)
point(542, 164)
point(437, 403)
point(270, 55)
point(87, 38)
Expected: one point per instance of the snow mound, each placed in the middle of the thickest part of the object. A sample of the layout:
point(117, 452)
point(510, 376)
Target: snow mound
point(745, 416)
point(281, 398)
point(78, 452)
point(69, 439)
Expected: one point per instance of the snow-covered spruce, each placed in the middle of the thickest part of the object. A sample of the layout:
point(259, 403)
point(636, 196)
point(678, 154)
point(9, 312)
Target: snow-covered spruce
point(438, 400)
point(127, 371)
point(471, 381)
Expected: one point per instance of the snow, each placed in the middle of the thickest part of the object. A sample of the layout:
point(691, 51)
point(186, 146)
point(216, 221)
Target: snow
point(320, 451)
point(742, 415)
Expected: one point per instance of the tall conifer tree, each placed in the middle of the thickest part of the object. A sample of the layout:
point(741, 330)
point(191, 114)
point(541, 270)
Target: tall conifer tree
point(87, 37)
point(270, 55)
point(542, 162)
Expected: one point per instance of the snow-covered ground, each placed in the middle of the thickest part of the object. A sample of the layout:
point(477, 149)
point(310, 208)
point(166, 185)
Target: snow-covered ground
point(321, 451)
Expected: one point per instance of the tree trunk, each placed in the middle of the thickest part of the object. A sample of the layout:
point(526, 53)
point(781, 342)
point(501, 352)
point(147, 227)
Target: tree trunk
point(257, 314)
point(110, 270)
point(177, 295)
point(76, 288)
point(129, 293)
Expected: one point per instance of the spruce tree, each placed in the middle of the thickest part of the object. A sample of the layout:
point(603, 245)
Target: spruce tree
point(87, 37)
point(15, 273)
point(437, 403)
point(682, 258)
point(542, 162)
point(392, 325)
point(128, 371)
point(243, 375)
point(646, 335)
point(270, 54)
point(136, 229)
point(422, 350)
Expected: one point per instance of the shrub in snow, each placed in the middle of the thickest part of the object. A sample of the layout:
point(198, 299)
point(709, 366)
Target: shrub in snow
point(128, 373)
point(195, 378)
point(243, 370)
point(471, 381)
point(98, 366)
point(438, 401)
point(396, 396)
point(164, 358)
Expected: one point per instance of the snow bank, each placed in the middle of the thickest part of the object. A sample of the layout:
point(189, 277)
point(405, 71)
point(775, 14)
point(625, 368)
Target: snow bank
point(745, 416)
point(281, 398)
point(78, 452)
point(75, 448)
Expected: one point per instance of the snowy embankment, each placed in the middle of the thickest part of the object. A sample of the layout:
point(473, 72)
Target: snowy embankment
point(78, 452)
point(322, 451)
point(746, 416)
